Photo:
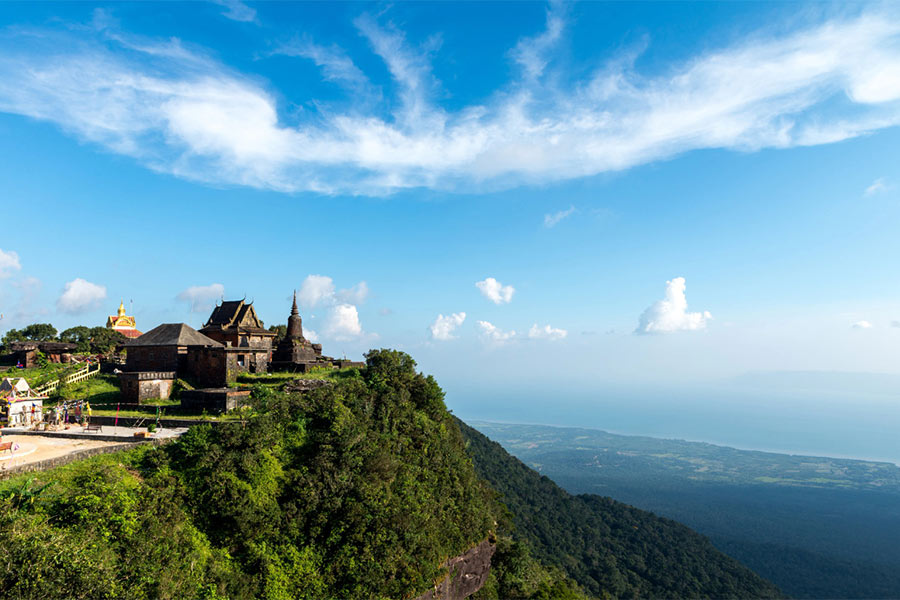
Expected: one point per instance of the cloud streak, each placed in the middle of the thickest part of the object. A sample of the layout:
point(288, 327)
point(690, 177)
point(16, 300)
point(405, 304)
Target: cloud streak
point(177, 110)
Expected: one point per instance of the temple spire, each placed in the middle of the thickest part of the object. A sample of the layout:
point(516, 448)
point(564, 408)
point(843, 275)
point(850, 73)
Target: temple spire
point(295, 323)
point(122, 308)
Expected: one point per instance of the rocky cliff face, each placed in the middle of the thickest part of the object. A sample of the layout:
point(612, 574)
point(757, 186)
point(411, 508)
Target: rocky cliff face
point(467, 573)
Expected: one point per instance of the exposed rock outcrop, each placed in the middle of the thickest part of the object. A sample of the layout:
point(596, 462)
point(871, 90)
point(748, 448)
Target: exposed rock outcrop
point(467, 573)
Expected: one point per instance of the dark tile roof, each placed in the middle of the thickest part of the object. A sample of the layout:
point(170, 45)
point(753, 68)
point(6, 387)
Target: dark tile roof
point(172, 334)
point(227, 312)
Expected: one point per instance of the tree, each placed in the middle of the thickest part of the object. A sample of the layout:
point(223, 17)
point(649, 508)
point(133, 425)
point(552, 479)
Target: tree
point(13, 335)
point(104, 340)
point(280, 331)
point(79, 335)
point(39, 332)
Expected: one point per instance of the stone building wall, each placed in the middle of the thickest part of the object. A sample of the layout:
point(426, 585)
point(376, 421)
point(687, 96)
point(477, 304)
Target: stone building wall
point(140, 386)
point(155, 358)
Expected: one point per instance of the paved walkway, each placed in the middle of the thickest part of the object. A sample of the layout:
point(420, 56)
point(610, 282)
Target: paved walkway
point(108, 431)
point(35, 448)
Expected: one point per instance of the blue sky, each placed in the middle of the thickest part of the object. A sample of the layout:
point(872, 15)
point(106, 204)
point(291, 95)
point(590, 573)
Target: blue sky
point(646, 192)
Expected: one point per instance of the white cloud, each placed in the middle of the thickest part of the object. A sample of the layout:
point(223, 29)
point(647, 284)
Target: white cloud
point(555, 218)
point(343, 323)
point(237, 10)
point(316, 290)
point(319, 290)
point(177, 110)
point(895, 323)
point(546, 333)
point(862, 325)
point(443, 327)
point(670, 314)
point(9, 263)
point(355, 295)
point(336, 66)
point(878, 186)
point(202, 297)
point(310, 335)
point(494, 334)
point(495, 291)
point(80, 296)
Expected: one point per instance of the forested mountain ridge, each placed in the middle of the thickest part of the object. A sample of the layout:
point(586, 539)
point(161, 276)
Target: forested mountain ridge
point(817, 527)
point(362, 489)
point(610, 548)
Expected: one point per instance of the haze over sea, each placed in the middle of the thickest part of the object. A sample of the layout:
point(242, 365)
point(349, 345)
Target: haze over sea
point(794, 419)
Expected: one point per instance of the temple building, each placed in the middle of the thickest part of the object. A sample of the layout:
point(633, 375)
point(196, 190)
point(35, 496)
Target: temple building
point(123, 323)
point(235, 325)
point(296, 353)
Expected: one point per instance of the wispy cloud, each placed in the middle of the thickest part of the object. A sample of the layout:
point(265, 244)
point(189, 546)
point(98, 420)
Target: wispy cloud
point(202, 298)
point(554, 219)
point(237, 10)
point(335, 64)
point(878, 186)
point(862, 325)
point(177, 110)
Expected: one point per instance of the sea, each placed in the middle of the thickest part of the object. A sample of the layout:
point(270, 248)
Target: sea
point(840, 421)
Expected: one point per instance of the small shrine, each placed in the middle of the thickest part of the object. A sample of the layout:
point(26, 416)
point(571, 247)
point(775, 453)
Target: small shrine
point(124, 324)
point(19, 405)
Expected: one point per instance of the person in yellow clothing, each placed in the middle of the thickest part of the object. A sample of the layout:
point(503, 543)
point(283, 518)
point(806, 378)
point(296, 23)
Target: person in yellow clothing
point(87, 410)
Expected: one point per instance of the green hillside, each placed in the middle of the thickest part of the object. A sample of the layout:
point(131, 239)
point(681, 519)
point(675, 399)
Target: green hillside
point(610, 548)
point(358, 490)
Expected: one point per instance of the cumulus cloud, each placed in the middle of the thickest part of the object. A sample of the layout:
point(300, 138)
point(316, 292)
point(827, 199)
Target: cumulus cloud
point(443, 327)
point(495, 291)
point(202, 297)
point(316, 290)
point(9, 263)
point(862, 325)
point(80, 296)
point(670, 314)
point(355, 295)
point(494, 334)
point(319, 290)
point(342, 318)
point(878, 186)
point(179, 110)
point(555, 218)
point(343, 323)
point(546, 333)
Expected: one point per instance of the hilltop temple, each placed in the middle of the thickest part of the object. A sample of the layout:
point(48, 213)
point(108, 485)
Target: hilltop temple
point(296, 353)
point(123, 323)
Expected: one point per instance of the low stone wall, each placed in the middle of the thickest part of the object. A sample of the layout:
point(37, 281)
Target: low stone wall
point(467, 574)
point(144, 421)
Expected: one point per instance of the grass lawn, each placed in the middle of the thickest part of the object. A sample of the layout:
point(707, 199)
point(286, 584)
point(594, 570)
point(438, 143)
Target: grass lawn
point(38, 376)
